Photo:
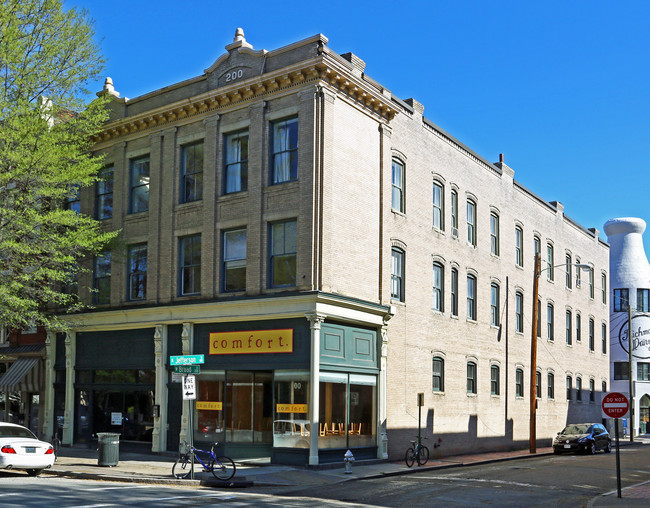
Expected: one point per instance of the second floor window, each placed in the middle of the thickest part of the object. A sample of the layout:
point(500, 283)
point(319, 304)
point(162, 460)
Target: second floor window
point(190, 265)
point(102, 279)
point(471, 377)
point(550, 275)
point(569, 384)
point(603, 330)
point(471, 222)
point(494, 305)
point(549, 322)
point(454, 292)
point(592, 346)
point(454, 214)
point(643, 300)
point(139, 185)
point(192, 172)
point(137, 272)
point(579, 389)
point(569, 332)
point(236, 163)
point(519, 312)
point(622, 298)
point(104, 194)
point(578, 328)
point(283, 253)
point(73, 199)
point(519, 383)
point(438, 374)
point(538, 383)
point(550, 385)
point(603, 287)
point(234, 260)
point(519, 246)
point(397, 274)
point(438, 287)
point(471, 297)
point(621, 371)
point(398, 179)
point(438, 206)
point(494, 234)
point(285, 150)
point(494, 380)
point(569, 275)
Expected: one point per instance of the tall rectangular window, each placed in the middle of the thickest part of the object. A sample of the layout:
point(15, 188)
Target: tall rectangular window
point(284, 157)
point(519, 383)
point(454, 292)
point(550, 325)
point(102, 279)
point(494, 305)
point(538, 384)
point(494, 380)
point(398, 186)
point(519, 246)
point(537, 246)
point(579, 389)
point(73, 199)
point(139, 185)
point(568, 387)
point(471, 377)
point(550, 385)
point(454, 213)
point(397, 274)
point(494, 234)
point(642, 300)
point(438, 287)
point(569, 275)
point(519, 312)
point(471, 297)
point(471, 222)
point(592, 346)
point(104, 194)
point(234, 260)
point(192, 172)
point(643, 371)
point(622, 298)
point(550, 271)
point(190, 265)
point(603, 287)
point(236, 163)
point(438, 206)
point(569, 332)
point(137, 272)
point(578, 274)
point(283, 253)
point(578, 327)
point(438, 374)
point(603, 330)
point(591, 283)
point(539, 318)
point(592, 391)
point(621, 371)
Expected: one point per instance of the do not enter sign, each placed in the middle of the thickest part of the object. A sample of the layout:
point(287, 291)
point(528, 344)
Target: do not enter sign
point(615, 405)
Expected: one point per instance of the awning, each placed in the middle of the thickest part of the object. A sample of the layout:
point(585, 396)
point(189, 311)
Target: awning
point(23, 375)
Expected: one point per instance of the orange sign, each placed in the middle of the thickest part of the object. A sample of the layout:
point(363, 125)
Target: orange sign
point(291, 408)
point(251, 342)
point(210, 406)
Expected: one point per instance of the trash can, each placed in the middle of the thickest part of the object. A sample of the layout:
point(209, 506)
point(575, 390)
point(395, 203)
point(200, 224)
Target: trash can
point(108, 449)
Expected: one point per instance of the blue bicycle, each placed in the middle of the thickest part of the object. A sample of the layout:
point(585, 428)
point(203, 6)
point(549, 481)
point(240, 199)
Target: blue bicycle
point(223, 468)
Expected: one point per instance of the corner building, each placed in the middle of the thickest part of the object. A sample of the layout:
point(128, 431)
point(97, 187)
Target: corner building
point(332, 253)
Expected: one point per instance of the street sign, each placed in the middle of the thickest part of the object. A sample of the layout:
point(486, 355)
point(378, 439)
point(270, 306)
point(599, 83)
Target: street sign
point(186, 360)
point(189, 388)
point(615, 405)
point(187, 369)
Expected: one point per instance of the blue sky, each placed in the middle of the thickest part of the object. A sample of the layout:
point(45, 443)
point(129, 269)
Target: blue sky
point(561, 88)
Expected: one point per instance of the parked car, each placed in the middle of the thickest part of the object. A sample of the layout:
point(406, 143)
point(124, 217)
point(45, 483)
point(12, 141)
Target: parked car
point(21, 449)
point(583, 437)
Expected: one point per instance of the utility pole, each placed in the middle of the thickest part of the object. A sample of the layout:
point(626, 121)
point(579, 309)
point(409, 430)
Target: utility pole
point(533, 360)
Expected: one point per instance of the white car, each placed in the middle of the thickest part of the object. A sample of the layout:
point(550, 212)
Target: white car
point(21, 449)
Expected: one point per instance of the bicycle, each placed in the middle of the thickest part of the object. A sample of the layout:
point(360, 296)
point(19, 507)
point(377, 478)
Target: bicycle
point(223, 468)
point(418, 452)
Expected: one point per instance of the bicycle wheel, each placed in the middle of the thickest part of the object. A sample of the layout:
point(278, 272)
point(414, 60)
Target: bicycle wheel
point(410, 457)
point(224, 468)
point(182, 467)
point(423, 456)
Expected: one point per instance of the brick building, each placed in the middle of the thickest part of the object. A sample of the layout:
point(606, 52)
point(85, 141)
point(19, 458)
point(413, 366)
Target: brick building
point(332, 253)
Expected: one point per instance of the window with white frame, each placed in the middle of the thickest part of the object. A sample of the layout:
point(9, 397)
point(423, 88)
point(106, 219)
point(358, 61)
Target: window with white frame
point(550, 385)
point(139, 185)
point(454, 213)
point(494, 233)
point(189, 259)
point(471, 297)
point(550, 318)
point(579, 389)
point(569, 384)
point(603, 330)
point(494, 304)
point(454, 292)
point(397, 274)
point(234, 260)
point(284, 248)
point(538, 383)
point(519, 312)
point(642, 300)
point(438, 206)
point(592, 346)
point(236, 163)
point(519, 383)
point(603, 287)
point(438, 374)
point(471, 378)
point(569, 275)
point(192, 172)
point(471, 222)
point(519, 246)
point(438, 287)
point(578, 327)
point(284, 156)
point(550, 270)
point(569, 331)
point(398, 179)
point(495, 387)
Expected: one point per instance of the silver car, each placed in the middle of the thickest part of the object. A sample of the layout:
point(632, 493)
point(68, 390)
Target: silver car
point(21, 449)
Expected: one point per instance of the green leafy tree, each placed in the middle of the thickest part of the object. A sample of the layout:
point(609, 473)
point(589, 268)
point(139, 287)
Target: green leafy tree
point(47, 120)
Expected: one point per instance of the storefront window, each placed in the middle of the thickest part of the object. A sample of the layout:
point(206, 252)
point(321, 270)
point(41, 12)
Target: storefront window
point(249, 407)
point(347, 410)
point(291, 427)
point(209, 406)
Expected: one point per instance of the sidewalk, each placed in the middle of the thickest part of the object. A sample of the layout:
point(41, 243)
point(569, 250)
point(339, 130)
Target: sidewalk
point(149, 468)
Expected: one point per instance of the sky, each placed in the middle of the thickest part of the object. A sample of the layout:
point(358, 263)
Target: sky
point(561, 88)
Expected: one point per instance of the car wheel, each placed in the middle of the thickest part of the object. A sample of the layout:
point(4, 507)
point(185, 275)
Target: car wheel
point(591, 448)
point(608, 448)
point(34, 472)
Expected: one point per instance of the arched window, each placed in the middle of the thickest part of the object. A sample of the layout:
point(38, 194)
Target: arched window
point(438, 287)
point(471, 377)
point(494, 304)
point(519, 383)
point(471, 222)
point(438, 206)
point(550, 384)
point(494, 233)
point(519, 246)
point(471, 297)
point(519, 312)
point(397, 274)
point(399, 178)
point(495, 380)
point(438, 374)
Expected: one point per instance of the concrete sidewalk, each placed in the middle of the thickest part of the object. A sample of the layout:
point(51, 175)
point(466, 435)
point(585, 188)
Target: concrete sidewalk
point(150, 468)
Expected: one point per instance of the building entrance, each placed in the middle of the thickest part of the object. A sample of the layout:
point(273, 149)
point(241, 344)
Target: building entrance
point(644, 415)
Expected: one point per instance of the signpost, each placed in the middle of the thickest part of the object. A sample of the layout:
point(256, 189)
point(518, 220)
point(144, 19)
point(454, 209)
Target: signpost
point(615, 405)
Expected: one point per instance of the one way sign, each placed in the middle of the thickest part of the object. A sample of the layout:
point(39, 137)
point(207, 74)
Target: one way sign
point(189, 387)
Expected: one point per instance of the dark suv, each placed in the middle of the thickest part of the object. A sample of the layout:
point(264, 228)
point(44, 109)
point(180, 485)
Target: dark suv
point(583, 437)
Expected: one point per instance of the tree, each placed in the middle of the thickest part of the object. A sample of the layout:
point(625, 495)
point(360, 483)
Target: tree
point(47, 59)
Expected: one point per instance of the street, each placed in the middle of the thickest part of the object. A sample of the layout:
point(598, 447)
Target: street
point(566, 480)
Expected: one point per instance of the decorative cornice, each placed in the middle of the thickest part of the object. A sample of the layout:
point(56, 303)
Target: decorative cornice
point(323, 69)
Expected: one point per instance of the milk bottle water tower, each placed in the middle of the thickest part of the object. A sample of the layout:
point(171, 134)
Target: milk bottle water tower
point(630, 326)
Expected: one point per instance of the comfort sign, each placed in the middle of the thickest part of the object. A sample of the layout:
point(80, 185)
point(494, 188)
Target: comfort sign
point(251, 342)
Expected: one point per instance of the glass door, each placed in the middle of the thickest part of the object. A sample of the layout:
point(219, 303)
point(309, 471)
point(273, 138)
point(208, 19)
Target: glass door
point(249, 407)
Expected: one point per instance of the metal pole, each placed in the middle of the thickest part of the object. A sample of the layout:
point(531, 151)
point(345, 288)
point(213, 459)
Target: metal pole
point(533, 360)
point(618, 460)
point(629, 347)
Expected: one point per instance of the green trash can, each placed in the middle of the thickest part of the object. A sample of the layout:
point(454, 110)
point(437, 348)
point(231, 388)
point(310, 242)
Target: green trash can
point(108, 449)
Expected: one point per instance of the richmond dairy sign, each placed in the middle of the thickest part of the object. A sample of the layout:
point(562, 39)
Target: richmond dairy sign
point(640, 336)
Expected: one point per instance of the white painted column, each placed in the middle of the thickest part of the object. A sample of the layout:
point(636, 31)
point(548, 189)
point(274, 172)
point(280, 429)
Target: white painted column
point(159, 438)
point(70, 357)
point(315, 321)
point(47, 403)
point(187, 339)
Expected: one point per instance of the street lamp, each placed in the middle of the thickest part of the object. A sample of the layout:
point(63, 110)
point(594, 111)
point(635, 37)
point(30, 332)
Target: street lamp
point(533, 347)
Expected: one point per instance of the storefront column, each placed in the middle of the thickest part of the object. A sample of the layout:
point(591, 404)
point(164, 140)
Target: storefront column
point(159, 437)
point(70, 356)
point(382, 442)
point(315, 321)
point(187, 340)
point(47, 402)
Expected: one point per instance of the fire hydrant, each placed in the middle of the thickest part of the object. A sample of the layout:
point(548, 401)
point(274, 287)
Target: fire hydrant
point(348, 458)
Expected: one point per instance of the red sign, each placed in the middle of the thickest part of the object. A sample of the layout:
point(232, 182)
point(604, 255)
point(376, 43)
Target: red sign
point(615, 405)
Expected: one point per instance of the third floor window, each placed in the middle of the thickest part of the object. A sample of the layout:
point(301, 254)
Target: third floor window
point(192, 172)
point(438, 206)
point(104, 194)
point(398, 179)
point(139, 185)
point(236, 163)
point(285, 150)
